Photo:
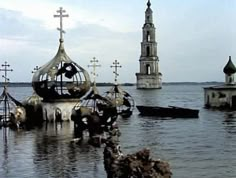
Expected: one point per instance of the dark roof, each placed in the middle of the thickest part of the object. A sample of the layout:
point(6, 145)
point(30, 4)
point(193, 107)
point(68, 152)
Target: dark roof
point(229, 67)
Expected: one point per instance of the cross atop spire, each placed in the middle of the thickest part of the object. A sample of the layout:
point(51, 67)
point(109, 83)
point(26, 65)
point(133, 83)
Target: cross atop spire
point(61, 15)
point(116, 65)
point(148, 3)
point(94, 65)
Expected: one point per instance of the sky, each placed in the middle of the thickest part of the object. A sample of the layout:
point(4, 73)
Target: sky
point(195, 37)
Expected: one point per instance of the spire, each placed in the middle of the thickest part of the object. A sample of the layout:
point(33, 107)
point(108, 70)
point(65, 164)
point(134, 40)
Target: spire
point(229, 67)
point(148, 13)
point(149, 4)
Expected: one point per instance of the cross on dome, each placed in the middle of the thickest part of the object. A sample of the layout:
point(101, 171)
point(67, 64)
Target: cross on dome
point(116, 65)
point(5, 70)
point(61, 15)
point(94, 65)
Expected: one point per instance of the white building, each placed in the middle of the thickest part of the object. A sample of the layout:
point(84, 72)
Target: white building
point(149, 76)
point(223, 96)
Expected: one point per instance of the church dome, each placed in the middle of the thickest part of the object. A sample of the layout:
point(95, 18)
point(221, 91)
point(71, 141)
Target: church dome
point(61, 78)
point(229, 67)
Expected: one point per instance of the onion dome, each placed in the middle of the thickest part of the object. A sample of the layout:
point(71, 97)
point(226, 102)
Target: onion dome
point(96, 111)
point(34, 111)
point(118, 97)
point(229, 67)
point(61, 78)
point(34, 101)
point(121, 99)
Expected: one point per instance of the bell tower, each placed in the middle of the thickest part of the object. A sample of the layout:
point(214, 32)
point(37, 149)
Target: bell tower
point(149, 76)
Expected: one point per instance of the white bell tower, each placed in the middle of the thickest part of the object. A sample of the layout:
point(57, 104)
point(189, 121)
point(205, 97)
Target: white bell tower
point(149, 76)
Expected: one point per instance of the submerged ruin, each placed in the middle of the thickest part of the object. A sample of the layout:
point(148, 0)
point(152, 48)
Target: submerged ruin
point(61, 82)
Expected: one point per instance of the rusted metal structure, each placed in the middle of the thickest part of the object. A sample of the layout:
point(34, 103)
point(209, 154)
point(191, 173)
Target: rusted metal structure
point(94, 113)
point(122, 100)
point(33, 107)
point(10, 108)
point(61, 78)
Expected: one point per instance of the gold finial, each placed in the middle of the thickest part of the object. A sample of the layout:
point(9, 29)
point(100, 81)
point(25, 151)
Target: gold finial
point(148, 3)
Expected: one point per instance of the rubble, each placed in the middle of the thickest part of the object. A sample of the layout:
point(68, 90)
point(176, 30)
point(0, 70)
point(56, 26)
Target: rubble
point(137, 165)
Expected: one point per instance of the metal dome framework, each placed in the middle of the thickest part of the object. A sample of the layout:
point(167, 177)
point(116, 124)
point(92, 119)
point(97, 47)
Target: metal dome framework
point(121, 99)
point(8, 103)
point(61, 78)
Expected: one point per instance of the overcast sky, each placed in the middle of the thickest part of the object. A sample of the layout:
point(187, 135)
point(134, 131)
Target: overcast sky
point(195, 37)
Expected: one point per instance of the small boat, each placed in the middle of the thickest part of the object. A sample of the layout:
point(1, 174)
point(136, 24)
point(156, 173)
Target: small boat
point(170, 111)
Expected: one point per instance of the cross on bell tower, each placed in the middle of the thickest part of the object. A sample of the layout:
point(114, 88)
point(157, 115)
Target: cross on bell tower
point(94, 65)
point(61, 15)
point(116, 65)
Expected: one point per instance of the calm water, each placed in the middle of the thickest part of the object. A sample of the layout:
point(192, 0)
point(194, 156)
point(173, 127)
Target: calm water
point(204, 147)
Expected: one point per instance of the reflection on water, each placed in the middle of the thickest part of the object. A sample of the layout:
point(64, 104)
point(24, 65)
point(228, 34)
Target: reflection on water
point(203, 147)
point(230, 123)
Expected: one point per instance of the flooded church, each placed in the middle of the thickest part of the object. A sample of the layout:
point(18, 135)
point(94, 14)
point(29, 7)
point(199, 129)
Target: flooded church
point(223, 96)
point(61, 82)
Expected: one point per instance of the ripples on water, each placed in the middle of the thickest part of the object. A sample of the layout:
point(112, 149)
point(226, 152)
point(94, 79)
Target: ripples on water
point(203, 147)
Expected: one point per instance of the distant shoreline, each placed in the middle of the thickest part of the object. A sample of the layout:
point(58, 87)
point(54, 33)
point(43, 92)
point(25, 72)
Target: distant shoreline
point(28, 84)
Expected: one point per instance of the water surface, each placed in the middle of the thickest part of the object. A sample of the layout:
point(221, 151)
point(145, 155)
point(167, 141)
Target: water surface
point(203, 147)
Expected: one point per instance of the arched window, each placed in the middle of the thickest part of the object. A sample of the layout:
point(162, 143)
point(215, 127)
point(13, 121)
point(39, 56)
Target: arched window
point(148, 36)
point(148, 69)
point(148, 51)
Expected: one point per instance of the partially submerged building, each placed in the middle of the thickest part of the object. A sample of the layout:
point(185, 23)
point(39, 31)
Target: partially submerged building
point(149, 76)
point(223, 96)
